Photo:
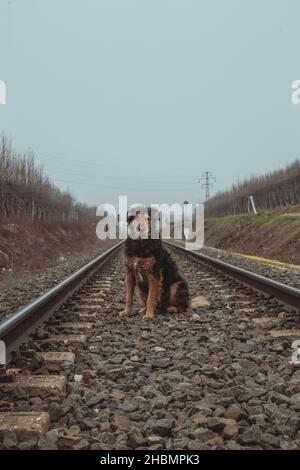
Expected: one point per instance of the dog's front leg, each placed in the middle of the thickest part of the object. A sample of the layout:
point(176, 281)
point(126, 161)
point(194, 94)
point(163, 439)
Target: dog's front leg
point(152, 298)
point(130, 283)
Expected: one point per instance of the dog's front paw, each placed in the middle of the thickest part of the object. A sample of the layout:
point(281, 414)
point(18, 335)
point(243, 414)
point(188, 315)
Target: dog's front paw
point(148, 316)
point(173, 310)
point(125, 313)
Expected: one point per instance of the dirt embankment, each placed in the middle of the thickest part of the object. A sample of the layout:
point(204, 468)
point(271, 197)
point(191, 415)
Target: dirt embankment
point(267, 235)
point(26, 246)
point(36, 257)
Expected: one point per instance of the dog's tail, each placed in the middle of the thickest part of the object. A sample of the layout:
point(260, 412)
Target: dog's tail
point(199, 302)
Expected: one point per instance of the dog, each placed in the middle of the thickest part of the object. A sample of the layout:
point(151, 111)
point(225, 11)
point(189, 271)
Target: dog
point(151, 271)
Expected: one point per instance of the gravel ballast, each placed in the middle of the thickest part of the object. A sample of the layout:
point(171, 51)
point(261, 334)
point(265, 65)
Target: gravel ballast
point(212, 378)
point(18, 289)
point(286, 275)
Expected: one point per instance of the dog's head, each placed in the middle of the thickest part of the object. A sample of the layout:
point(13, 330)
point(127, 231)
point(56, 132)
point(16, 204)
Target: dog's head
point(140, 223)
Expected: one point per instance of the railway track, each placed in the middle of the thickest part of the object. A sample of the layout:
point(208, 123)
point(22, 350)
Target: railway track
point(285, 294)
point(17, 327)
point(217, 377)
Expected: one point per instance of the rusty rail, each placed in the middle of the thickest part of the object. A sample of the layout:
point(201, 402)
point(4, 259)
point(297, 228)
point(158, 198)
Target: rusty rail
point(289, 296)
point(17, 327)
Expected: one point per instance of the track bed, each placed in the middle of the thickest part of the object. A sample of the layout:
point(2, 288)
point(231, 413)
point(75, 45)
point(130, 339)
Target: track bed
point(216, 377)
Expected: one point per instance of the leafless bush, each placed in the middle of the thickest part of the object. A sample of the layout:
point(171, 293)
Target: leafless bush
point(26, 191)
point(277, 189)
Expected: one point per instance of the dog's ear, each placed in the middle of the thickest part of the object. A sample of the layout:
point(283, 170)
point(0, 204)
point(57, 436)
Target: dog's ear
point(130, 218)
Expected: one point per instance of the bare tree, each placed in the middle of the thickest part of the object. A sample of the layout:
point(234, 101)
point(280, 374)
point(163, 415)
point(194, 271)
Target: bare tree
point(280, 188)
point(26, 191)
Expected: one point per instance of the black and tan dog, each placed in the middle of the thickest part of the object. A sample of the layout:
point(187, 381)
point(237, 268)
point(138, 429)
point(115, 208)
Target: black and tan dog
point(153, 273)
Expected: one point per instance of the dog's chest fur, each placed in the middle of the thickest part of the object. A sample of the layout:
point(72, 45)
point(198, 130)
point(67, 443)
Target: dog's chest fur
point(140, 266)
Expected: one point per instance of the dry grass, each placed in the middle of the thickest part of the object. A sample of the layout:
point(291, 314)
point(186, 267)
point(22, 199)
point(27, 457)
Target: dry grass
point(32, 246)
point(265, 235)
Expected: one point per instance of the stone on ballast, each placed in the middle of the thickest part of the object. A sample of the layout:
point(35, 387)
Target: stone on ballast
point(121, 422)
point(279, 398)
point(160, 363)
point(159, 349)
point(98, 398)
point(295, 401)
point(231, 429)
point(234, 412)
point(162, 427)
point(228, 427)
point(250, 436)
point(10, 439)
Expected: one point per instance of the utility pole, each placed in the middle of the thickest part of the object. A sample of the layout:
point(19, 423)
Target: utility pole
point(206, 180)
point(251, 204)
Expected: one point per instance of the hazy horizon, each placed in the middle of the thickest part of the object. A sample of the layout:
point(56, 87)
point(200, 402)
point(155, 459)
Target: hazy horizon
point(140, 98)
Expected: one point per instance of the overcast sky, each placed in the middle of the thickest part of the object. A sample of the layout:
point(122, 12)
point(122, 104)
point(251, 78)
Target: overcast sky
point(139, 97)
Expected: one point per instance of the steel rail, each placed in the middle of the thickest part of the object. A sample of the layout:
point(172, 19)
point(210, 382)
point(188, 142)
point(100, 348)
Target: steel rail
point(289, 296)
point(17, 327)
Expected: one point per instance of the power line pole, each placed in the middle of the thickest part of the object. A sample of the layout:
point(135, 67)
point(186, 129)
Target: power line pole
point(208, 178)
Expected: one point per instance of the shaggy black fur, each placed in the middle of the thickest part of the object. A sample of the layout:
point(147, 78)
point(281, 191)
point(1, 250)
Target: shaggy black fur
point(165, 268)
